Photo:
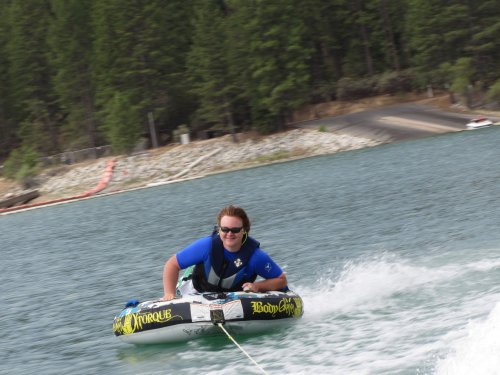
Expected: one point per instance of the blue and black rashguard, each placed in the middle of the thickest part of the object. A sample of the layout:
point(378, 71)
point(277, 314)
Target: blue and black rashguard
point(201, 251)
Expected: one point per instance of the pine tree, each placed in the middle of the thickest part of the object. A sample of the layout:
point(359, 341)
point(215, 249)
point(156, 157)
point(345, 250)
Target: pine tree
point(140, 50)
point(328, 33)
point(7, 129)
point(30, 75)
point(392, 26)
point(437, 33)
point(70, 39)
point(208, 66)
point(277, 70)
point(484, 46)
point(120, 125)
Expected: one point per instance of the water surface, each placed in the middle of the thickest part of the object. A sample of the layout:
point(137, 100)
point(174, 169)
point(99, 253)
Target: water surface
point(394, 249)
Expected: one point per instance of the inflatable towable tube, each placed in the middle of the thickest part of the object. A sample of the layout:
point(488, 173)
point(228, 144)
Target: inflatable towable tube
point(196, 315)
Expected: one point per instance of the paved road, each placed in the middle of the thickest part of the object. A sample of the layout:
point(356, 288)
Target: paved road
point(394, 123)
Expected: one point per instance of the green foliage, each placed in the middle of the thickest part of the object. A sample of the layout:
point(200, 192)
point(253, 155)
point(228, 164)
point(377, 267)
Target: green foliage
point(462, 73)
point(494, 92)
point(35, 129)
point(21, 164)
point(437, 31)
point(123, 124)
point(279, 77)
point(460, 85)
point(140, 50)
point(387, 83)
point(7, 130)
point(351, 89)
point(30, 73)
point(225, 64)
point(70, 54)
point(395, 82)
point(442, 76)
point(275, 156)
point(208, 65)
point(326, 26)
point(463, 68)
point(484, 45)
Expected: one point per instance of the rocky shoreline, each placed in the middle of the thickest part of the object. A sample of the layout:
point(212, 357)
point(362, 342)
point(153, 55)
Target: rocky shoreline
point(193, 160)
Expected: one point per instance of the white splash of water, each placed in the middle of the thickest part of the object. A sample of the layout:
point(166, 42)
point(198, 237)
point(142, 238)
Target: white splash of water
point(477, 351)
point(384, 313)
point(484, 265)
point(368, 284)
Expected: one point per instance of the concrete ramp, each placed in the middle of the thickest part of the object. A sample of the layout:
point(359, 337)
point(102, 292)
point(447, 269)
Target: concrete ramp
point(417, 125)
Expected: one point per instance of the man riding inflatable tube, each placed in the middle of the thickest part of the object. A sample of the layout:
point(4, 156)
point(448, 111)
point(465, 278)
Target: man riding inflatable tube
point(228, 260)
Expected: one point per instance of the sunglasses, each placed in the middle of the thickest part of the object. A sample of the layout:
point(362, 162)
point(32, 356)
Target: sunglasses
point(232, 230)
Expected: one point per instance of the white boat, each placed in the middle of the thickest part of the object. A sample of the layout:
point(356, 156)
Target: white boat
point(478, 123)
point(198, 315)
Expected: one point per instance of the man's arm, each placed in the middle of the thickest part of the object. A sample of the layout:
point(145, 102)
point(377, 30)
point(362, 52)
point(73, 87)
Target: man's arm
point(276, 283)
point(170, 277)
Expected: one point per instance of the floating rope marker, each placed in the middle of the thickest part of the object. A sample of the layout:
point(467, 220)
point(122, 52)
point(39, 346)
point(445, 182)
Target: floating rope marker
point(243, 350)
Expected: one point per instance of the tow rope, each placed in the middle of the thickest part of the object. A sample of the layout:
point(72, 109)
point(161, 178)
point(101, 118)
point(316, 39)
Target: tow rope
point(243, 350)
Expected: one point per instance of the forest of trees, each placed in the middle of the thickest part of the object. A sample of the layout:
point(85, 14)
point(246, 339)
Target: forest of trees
point(84, 73)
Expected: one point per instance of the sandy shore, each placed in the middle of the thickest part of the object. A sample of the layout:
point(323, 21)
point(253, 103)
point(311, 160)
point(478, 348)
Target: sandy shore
point(196, 159)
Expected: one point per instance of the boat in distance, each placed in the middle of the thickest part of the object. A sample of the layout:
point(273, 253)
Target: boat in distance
point(478, 123)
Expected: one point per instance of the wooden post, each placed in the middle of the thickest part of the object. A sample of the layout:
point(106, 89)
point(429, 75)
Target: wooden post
point(152, 130)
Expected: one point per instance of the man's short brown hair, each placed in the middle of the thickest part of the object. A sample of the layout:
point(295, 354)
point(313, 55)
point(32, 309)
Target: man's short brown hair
point(235, 212)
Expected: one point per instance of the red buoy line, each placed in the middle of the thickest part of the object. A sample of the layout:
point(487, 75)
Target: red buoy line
point(101, 185)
